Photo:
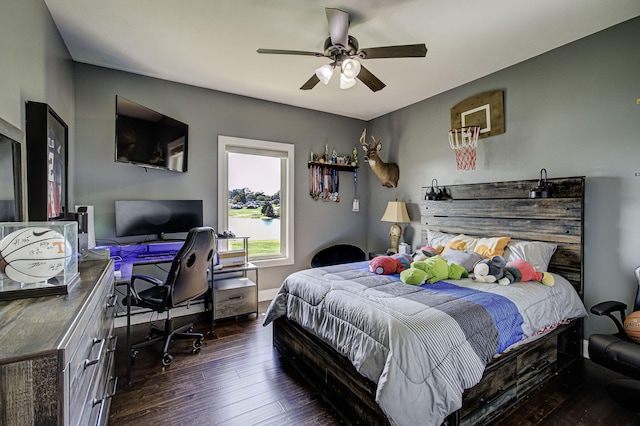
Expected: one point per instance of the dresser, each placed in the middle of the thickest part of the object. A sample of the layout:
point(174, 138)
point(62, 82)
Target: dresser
point(57, 353)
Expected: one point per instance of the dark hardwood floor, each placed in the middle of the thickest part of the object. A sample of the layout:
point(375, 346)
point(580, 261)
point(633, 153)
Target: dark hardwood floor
point(237, 378)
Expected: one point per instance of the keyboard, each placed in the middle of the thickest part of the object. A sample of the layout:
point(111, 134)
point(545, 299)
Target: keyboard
point(156, 254)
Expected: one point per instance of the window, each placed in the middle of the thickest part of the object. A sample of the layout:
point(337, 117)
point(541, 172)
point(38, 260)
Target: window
point(255, 196)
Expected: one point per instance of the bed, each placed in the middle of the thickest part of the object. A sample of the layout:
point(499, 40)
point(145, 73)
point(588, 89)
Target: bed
point(452, 352)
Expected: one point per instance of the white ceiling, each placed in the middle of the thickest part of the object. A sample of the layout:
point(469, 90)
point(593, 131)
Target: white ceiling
point(212, 43)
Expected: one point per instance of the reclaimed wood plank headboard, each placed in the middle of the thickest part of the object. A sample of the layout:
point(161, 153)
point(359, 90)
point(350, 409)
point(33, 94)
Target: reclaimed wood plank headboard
point(505, 209)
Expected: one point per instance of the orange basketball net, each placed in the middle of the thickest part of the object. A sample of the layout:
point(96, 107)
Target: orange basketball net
point(464, 141)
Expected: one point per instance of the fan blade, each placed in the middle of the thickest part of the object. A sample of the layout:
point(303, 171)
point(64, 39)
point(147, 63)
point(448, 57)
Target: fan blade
point(311, 83)
point(370, 80)
point(290, 52)
point(404, 51)
point(338, 26)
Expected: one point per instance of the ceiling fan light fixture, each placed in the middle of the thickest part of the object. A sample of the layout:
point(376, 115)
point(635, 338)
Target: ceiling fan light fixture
point(351, 68)
point(324, 73)
point(346, 82)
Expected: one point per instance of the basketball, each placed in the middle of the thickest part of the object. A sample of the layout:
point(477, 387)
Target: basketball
point(34, 254)
point(632, 326)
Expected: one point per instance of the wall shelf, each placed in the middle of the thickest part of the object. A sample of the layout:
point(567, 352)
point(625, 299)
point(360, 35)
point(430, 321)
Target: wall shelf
point(340, 167)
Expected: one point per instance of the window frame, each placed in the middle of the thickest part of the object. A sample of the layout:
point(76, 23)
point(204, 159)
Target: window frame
point(284, 151)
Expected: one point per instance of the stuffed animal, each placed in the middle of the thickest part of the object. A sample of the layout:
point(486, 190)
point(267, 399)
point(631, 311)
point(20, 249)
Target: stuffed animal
point(499, 271)
point(386, 265)
point(521, 271)
point(426, 252)
point(490, 270)
point(431, 270)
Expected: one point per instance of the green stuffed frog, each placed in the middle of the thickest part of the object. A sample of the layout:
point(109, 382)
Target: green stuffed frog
point(431, 270)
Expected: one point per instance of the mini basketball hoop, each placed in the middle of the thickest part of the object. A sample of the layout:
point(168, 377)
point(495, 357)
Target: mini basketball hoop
point(464, 141)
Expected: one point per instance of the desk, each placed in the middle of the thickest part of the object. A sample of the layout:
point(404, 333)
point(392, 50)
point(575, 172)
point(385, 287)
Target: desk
point(128, 256)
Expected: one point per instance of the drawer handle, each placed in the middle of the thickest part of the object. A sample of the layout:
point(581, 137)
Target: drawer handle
point(114, 344)
point(236, 297)
point(538, 366)
point(88, 362)
point(494, 398)
point(112, 300)
point(107, 395)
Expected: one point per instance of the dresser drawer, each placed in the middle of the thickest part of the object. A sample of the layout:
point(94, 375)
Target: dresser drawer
point(104, 388)
point(94, 346)
point(234, 296)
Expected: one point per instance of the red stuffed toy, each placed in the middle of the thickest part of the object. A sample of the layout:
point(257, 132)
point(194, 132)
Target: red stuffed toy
point(386, 265)
point(521, 271)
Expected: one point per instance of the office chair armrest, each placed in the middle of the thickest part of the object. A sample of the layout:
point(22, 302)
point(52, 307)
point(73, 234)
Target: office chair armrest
point(151, 280)
point(607, 309)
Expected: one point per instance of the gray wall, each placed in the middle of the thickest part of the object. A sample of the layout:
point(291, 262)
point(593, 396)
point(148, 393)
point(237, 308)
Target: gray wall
point(572, 111)
point(100, 181)
point(35, 66)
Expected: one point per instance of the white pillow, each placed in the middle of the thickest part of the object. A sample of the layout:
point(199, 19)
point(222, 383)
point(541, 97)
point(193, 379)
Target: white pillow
point(435, 238)
point(537, 253)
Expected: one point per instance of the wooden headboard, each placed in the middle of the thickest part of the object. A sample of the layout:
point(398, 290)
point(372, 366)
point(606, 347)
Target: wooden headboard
point(505, 209)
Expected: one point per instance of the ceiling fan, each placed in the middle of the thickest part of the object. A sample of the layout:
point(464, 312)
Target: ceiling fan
point(344, 52)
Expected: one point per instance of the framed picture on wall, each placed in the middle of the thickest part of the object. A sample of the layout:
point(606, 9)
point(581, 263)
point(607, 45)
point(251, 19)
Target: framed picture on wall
point(11, 185)
point(47, 139)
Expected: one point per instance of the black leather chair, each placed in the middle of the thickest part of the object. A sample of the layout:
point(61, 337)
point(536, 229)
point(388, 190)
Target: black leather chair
point(337, 254)
point(618, 353)
point(186, 280)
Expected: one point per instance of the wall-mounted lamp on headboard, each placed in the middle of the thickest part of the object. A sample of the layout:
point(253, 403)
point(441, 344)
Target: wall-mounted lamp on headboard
point(434, 193)
point(544, 188)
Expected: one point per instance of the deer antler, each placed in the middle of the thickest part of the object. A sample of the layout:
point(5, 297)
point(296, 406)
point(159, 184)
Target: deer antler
point(363, 139)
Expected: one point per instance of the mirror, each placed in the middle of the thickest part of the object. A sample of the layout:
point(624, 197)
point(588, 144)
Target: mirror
point(11, 208)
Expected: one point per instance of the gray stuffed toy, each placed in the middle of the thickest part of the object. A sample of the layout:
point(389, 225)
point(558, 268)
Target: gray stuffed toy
point(490, 270)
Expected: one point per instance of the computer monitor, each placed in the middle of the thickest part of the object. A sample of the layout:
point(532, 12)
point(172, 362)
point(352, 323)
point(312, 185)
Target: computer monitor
point(157, 217)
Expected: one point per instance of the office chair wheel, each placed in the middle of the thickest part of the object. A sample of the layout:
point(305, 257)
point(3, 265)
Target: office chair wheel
point(167, 359)
point(133, 354)
point(197, 345)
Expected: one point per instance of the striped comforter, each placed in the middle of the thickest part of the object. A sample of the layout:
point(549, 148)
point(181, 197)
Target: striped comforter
point(422, 345)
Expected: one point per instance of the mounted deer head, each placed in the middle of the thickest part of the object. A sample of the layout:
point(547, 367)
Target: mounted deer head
point(388, 173)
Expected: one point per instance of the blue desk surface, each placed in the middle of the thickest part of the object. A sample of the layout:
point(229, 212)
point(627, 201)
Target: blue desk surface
point(127, 255)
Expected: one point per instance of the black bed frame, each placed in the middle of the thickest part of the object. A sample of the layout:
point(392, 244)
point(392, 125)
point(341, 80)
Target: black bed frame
point(483, 209)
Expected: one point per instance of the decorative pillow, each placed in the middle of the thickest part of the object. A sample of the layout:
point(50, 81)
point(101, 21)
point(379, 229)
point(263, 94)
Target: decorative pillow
point(466, 259)
point(537, 253)
point(435, 238)
point(461, 242)
point(489, 247)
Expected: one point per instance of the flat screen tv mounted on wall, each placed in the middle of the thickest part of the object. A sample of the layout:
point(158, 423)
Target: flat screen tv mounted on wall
point(148, 138)
point(157, 217)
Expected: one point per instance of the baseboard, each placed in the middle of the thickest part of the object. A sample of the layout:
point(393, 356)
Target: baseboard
point(194, 308)
point(149, 316)
point(585, 348)
point(267, 295)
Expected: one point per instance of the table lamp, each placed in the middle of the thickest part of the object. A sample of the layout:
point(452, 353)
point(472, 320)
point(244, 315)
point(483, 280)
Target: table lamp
point(397, 213)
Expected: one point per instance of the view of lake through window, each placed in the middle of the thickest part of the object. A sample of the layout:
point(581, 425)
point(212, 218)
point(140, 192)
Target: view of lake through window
point(254, 183)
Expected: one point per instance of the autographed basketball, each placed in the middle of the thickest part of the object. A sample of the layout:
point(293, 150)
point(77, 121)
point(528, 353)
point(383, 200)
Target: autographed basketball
point(632, 326)
point(33, 254)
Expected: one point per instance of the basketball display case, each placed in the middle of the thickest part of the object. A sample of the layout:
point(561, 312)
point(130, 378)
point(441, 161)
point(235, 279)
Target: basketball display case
point(37, 258)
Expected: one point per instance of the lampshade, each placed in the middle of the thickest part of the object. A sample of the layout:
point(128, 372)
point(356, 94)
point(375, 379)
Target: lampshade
point(345, 82)
point(396, 212)
point(351, 68)
point(324, 73)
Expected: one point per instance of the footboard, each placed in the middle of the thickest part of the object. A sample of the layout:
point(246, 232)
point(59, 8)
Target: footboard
point(507, 380)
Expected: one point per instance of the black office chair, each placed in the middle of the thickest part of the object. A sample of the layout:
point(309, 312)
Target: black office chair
point(187, 279)
point(337, 254)
point(618, 353)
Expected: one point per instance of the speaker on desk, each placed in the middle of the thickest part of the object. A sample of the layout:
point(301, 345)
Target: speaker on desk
point(86, 229)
